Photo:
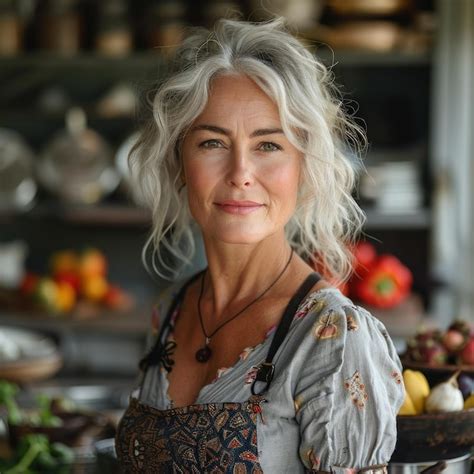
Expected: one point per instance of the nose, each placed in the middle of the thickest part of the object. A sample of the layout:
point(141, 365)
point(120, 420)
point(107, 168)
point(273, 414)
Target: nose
point(240, 172)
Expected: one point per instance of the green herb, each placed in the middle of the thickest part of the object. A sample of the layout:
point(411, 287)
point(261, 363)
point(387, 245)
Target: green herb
point(46, 417)
point(7, 398)
point(36, 454)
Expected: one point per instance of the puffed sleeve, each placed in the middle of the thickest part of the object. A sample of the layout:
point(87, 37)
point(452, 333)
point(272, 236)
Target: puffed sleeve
point(348, 393)
point(159, 311)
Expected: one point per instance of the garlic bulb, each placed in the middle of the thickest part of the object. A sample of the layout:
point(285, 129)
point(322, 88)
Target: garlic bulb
point(445, 397)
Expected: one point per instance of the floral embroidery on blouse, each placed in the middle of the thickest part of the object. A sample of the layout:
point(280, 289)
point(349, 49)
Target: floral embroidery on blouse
point(298, 401)
point(397, 377)
point(220, 372)
point(326, 327)
point(245, 353)
point(251, 375)
point(351, 323)
point(313, 303)
point(356, 388)
point(313, 460)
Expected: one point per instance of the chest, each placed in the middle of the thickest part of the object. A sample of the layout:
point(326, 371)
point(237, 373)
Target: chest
point(188, 376)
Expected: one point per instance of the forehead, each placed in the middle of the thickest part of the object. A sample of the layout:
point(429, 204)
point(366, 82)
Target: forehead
point(231, 95)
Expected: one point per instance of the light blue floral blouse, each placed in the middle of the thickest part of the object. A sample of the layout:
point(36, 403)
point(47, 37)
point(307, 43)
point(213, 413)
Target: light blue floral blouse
point(335, 394)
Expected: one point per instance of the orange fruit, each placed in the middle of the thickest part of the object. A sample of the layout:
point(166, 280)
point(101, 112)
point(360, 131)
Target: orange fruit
point(66, 297)
point(94, 288)
point(92, 263)
point(64, 261)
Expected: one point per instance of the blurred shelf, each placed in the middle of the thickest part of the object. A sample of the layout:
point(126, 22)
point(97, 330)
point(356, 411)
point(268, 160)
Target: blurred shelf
point(132, 322)
point(128, 215)
point(90, 62)
point(99, 214)
point(416, 219)
point(349, 58)
point(12, 115)
point(106, 215)
point(148, 60)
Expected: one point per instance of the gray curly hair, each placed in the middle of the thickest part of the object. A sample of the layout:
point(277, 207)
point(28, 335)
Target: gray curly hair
point(327, 220)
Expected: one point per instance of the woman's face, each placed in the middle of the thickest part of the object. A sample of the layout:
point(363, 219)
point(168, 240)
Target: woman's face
point(241, 171)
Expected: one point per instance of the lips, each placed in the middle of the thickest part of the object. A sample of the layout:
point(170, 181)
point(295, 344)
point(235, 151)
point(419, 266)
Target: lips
point(238, 207)
point(239, 203)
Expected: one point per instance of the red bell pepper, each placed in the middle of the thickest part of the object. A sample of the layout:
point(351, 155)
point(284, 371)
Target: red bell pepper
point(365, 256)
point(387, 283)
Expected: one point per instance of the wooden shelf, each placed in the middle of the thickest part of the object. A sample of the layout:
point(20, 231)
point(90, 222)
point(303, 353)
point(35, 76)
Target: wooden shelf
point(145, 60)
point(46, 62)
point(132, 322)
point(100, 214)
point(125, 214)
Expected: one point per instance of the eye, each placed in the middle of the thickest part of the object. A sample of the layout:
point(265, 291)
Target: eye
point(210, 144)
point(270, 146)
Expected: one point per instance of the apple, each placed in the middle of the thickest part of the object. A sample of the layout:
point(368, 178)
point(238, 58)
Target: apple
point(46, 293)
point(72, 278)
point(116, 298)
point(467, 354)
point(453, 340)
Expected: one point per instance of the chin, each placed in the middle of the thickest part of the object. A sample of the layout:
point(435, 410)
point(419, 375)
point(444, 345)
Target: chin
point(238, 236)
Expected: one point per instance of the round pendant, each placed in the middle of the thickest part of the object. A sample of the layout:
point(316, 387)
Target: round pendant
point(203, 354)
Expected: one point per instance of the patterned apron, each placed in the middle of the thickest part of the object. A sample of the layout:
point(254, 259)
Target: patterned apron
point(212, 438)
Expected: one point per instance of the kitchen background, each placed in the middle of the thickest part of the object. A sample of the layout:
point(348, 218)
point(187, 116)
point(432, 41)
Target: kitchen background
point(75, 77)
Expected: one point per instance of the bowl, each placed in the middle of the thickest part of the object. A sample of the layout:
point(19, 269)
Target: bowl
point(37, 356)
point(434, 436)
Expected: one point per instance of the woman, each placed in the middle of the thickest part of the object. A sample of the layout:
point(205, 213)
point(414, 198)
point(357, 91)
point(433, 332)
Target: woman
point(260, 365)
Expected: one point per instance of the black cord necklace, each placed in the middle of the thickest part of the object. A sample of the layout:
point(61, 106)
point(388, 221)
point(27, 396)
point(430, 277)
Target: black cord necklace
point(205, 353)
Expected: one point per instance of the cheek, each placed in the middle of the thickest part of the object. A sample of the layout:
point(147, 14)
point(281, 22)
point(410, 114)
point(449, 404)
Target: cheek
point(284, 183)
point(199, 180)
point(200, 184)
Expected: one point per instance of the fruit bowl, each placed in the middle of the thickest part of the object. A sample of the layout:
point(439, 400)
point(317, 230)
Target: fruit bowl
point(434, 436)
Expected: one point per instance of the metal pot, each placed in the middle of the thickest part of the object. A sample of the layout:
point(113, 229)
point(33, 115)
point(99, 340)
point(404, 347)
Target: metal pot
point(77, 165)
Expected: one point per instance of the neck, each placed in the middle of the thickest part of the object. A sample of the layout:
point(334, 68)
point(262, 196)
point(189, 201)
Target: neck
point(237, 274)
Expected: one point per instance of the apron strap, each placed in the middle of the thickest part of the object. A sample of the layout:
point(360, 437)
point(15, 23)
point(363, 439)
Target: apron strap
point(153, 357)
point(266, 369)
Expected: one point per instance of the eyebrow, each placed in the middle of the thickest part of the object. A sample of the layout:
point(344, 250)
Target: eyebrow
point(223, 131)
